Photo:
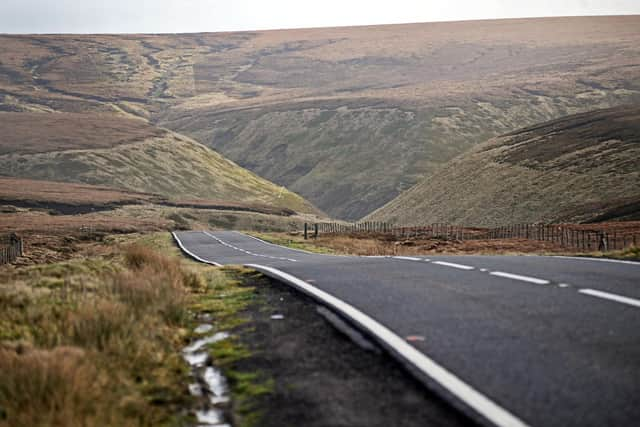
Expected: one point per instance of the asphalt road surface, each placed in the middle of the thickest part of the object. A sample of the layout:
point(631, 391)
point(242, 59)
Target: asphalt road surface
point(510, 340)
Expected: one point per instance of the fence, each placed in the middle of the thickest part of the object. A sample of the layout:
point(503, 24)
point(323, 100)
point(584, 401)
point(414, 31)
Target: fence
point(10, 249)
point(569, 236)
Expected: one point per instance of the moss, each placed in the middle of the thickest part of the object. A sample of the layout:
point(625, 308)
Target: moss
point(247, 388)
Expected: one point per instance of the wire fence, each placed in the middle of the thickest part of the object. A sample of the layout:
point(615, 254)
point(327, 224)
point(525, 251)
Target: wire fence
point(572, 236)
point(11, 247)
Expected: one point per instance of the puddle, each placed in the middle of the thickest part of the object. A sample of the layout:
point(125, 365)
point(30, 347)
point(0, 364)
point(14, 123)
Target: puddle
point(203, 342)
point(210, 418)
point(196, 359)
point(203, 329)
point(210, 385)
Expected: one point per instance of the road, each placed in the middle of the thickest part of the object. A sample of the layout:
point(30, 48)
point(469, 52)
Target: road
point(510, 340)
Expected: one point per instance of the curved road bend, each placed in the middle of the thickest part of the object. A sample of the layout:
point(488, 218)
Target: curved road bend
point(537, 341)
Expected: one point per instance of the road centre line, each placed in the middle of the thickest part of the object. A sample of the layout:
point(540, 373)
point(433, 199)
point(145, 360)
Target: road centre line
point(422, 364)
point(611, 297)
point(521, 278)
point(454, 265)
point(245, 251)
point(616, 261)
point(407, 258)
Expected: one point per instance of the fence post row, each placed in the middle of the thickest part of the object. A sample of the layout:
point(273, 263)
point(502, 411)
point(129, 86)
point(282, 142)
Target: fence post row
point(564, 236)
point(10, 251)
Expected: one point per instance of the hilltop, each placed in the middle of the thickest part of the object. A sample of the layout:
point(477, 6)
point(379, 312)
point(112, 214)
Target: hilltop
point(580, 168)
point(128, 154)
point(347, 117)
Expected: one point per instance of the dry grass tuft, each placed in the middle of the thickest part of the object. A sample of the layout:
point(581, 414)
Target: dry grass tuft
point(97, 348)
point(57, 387)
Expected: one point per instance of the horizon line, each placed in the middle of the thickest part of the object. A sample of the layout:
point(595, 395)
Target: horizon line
point(329, 27)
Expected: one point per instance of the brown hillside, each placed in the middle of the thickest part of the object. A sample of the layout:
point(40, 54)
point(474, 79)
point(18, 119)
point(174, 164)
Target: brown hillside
point(25, 133)
point(129, 154)
point(581, 168)
point(347, 117)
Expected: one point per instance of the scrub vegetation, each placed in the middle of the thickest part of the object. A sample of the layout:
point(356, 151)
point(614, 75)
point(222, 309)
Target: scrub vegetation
point(373, 244)
point(95, 341)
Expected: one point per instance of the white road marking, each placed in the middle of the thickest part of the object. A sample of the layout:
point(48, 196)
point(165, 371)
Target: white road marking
point(248, 252)
point(617, 261)
point(407, 258)
point(521, 278)
point(472, 398)
point(284, 247)
point(453, 265)
point(426, 260)
point(563, 285)
point(484, 270)
point(191, 254)
point(612, 297)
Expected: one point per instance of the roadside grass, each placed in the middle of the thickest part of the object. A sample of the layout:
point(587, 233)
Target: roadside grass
point(92, 342)
point(380, 244)
point(295, 242)
point(629, 254)
point(96, 341)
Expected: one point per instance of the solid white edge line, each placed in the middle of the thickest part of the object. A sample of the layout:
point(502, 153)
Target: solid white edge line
point(521, 278)
point(407, 258)
point(612, 297)
point(191, 254)
point(454, 265)
point(473, 399)
point(616, 261)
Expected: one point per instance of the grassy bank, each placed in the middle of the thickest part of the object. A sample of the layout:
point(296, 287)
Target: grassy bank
point(95, 341)
point(382, 244)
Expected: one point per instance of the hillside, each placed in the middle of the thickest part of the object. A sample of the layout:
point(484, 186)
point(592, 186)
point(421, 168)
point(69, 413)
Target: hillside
point(347, 117)
point(128, 154)
point(580, 168)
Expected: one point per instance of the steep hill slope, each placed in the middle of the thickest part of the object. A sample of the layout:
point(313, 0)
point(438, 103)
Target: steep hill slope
point(584, 167)
point(347, 117)
point(128, 154)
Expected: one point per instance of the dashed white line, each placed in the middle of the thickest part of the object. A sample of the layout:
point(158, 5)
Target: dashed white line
point(423, 365)
point(612, 297)
point(407, 258)
point(615, 261)
point(246, 251)
point(521, 278)
point(454, 265)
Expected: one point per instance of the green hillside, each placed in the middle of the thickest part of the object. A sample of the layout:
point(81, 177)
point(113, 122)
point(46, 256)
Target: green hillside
point(580, 168)
point(152, 160)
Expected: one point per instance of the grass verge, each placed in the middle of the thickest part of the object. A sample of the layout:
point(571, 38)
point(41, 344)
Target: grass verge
point(294, 242)
point(381, 244)
point(96, 341)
